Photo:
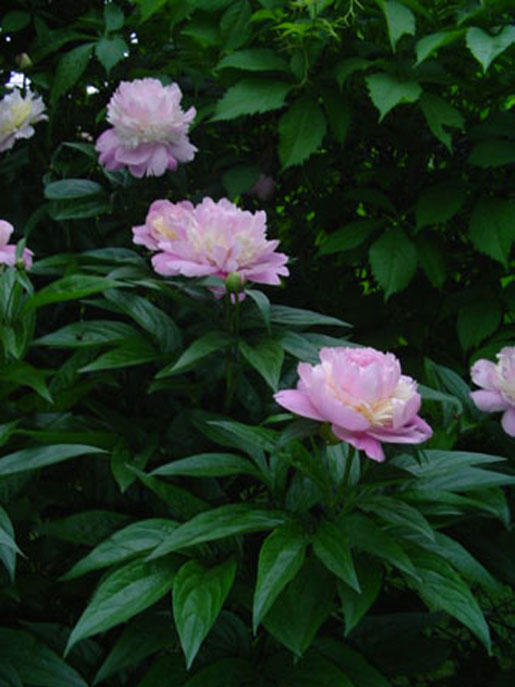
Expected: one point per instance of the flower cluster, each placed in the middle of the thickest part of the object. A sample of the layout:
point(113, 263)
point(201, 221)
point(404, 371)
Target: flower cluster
point(17, 115)
point(211, 239)
point(8, 250)
point(149, 133)
point(497, 382)
point(364, 396)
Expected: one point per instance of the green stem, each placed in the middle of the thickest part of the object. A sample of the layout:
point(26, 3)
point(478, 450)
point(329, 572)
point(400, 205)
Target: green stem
point(343, 489)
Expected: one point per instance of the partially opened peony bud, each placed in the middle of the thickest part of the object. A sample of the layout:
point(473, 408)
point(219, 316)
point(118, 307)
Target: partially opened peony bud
point(211, 239)
point(17, 115)
point(363, 395)
point(498, 387)
point(8, 250)
point(150, 129)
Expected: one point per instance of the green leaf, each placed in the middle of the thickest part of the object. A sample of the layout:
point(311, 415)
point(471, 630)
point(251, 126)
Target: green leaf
point(71, 188)
point(8, 546)
point(301, 130)
point(149, 7)
point(8, 675)
point(207, 465)
point(36, 664)
point(492, 228)
point(110, 51)
point(181, 502)
point(365, 535)
point(431, 258)
point(254, 60)
point(485, 47)
point(298, 317)
point(266, 356)
point(14, 21)
point(492, 153)
point(301, 608)
point(355, 666)
point(113, 17)
point(123, 593)
point(280, 558)
point(347, 67)
point(263, 304)
point(350, 236)
point(235, 24)
point(198, 350)
point(150, 317)
point(198, 596)
point(69, 70)
point(251, 96)
point(24, 374)
point(430, 44)
point(397, 512)
point(129, 353)
point(88, 333)
point(314, 669)
point(224, 521)
point(338, 113)
point(355, 604)
point(387, 91)
point(399, 19)
point(453, 552)
point(40, 456)
point(159, 672)
point(437, 204)
point(79, 208)
point(240, 179)
point(443, 590)
point(140, 638)
point(86, 528)
point(332, 549)
point(439, 113)
point(393, 259)
point(138, 538)
point(69, 288)
point(477, 320)
point(226, 672)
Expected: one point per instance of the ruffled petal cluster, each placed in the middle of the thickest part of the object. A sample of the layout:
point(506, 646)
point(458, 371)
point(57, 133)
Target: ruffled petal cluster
point(8, 250)
point(497, 382)
point(150, 129)
point(363, 395)
point(210, 239)
point(18, 114)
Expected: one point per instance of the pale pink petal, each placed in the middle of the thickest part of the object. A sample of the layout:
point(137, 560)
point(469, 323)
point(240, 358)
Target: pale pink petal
point(415, 432)
point(483, 374)
point(298, 403)
point(508, 421)
point(6, 229)
point(489, 401)
point(363, 442)
point(141, 236)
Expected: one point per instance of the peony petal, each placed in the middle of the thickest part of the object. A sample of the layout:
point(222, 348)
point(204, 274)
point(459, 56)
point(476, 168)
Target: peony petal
point(6, 229)
point(415, 432)
point(298, 403)
point(489, 401)
point(483, 374)
point(363, 442)
point(508, 422)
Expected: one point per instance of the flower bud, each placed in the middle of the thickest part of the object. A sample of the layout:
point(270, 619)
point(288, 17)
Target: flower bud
point(23, 61)
point(235, 282)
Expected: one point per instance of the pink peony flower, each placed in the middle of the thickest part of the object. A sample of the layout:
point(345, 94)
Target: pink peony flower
point(150, 129)
point(210, 239)
point(8, 251)
point(364, 396)
point(17, 115)
point(498, 387)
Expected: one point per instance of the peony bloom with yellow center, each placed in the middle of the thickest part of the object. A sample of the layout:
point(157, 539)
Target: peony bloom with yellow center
point(363, 395)
point(17, 115)
point(211, 239)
